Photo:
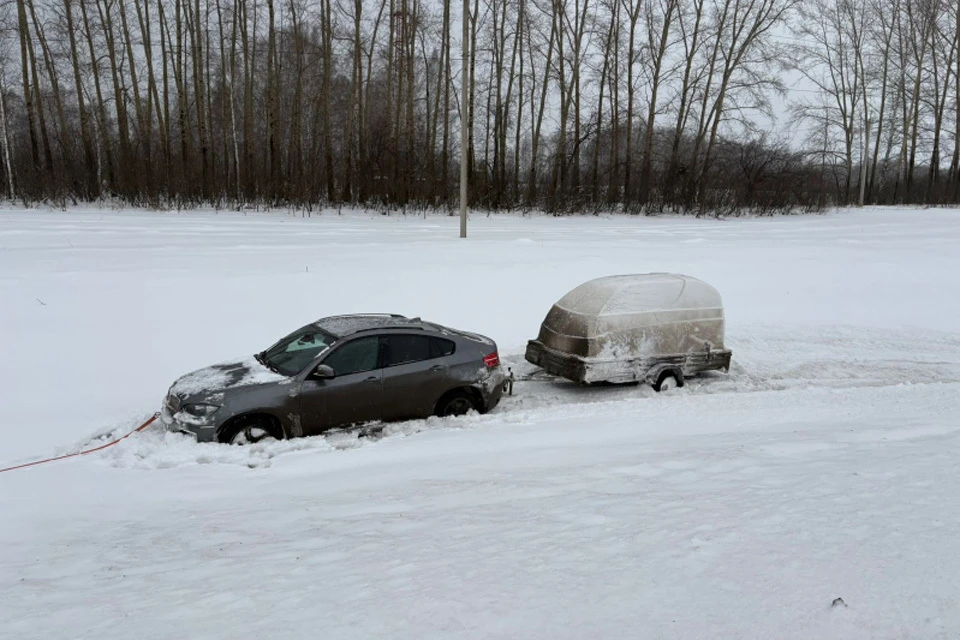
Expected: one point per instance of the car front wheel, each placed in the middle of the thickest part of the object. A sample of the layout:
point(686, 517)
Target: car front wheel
point(249, 430)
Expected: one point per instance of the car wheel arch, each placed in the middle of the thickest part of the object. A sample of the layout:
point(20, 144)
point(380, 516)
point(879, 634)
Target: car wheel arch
point(670, 371)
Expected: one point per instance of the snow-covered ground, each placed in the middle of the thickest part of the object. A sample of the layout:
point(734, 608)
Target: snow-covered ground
point(824, 466)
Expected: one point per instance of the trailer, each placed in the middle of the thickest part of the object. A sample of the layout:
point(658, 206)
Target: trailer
point(658, 328)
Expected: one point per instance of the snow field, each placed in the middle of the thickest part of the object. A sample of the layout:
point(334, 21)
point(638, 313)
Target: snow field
point(823, 466)
point(660, 519)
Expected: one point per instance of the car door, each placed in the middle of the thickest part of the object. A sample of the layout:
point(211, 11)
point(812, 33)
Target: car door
point(354, 395)
point(415, 374)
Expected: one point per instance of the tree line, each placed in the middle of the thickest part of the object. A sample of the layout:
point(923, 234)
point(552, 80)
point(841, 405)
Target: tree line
point(639, 105)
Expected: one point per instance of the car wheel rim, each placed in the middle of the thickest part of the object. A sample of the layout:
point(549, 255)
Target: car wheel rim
point(668, 384)
point(458, 407)
point(250, 435)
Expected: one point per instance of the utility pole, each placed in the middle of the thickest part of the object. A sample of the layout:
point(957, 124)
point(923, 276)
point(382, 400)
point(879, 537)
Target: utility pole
point(864, 158)
point(464, 120)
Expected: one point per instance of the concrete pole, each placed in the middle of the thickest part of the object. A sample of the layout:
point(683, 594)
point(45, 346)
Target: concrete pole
point(864, 159)
point(464, 120)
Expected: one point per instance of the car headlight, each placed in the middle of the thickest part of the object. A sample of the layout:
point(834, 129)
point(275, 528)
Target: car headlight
point(173, 402)
point(201, 410)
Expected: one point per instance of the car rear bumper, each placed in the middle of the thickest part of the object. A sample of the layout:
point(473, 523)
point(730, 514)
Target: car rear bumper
point(491, 401)
point(492, 388)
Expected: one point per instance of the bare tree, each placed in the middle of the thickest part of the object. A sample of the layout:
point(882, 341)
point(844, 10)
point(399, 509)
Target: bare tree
point(659, 18)
point(5, 140)
point(574, 103)
point(831, 58)
point(943, 54)
point(743, 57)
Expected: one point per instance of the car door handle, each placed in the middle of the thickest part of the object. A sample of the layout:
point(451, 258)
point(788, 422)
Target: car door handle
point(372, 379)
point(437, 367)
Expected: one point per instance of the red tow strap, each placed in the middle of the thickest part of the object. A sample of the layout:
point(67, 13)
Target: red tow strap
point(83, 453)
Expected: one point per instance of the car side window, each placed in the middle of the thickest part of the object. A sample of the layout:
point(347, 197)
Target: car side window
point(355, 356)
point(400, 349)
point(440, 347)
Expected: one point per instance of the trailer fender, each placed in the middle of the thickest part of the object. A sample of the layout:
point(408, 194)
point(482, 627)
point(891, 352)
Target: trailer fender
point(653, 373)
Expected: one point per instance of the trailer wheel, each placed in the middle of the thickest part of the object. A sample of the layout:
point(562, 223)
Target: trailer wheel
point(668, 381)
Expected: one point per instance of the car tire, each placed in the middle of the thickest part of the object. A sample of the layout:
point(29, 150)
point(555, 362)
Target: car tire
point(668, 381)
point(457, 403)
point(249, 430)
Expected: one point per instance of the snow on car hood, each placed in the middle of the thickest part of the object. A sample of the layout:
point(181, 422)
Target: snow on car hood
point(225, 376)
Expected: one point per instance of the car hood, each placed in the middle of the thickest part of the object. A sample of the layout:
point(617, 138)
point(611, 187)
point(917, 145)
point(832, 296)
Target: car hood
point(224, 377)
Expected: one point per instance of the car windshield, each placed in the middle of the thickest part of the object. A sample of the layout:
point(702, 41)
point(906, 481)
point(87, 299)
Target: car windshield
point(295, 352)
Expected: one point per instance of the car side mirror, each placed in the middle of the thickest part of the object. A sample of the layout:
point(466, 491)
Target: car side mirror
point(324, 372)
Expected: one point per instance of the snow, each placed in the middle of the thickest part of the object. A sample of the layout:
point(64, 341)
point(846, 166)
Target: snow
point(345, 325)
point(617, 347)
point(741, 506)
point(241, 372)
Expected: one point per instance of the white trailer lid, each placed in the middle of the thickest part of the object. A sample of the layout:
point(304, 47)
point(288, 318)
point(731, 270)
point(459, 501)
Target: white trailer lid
point(640, 294)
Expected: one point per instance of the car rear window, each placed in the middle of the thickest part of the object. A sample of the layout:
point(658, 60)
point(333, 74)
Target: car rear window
point(440, 347)
point(405, 349)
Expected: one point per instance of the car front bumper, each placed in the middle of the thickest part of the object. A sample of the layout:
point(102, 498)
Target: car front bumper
point(189, 425)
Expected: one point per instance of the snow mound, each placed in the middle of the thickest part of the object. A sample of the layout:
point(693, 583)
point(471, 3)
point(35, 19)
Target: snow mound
point(826, 358)
point(156, 448)
point(159, 449)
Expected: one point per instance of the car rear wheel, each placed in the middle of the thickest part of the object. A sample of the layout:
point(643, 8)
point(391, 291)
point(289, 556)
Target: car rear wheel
point(668, 381)
point(457, 404)
point(250, 430)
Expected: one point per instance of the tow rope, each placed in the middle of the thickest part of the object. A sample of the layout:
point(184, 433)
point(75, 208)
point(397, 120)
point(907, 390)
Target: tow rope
point(83, 453)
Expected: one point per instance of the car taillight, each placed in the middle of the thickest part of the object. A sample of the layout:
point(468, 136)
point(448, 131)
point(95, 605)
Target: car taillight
point(492, 360)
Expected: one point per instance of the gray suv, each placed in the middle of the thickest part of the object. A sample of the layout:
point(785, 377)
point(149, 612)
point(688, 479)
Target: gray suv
point(337, 372)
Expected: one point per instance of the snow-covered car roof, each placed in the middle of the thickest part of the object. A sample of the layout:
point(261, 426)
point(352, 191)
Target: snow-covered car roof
point(341, 326)
point(346, 325)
